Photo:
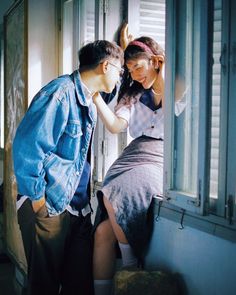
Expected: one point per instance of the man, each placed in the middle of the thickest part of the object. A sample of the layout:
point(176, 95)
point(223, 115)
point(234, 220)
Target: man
point(51, 153)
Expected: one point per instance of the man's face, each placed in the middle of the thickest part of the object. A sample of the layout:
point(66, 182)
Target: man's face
point(113, 74)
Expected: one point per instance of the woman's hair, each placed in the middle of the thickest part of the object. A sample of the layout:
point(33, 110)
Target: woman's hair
point(94, 53)
point(143, 47)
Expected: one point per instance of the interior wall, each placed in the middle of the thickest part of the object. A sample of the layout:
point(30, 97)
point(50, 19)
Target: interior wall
point(42, 44)
point(206, 263)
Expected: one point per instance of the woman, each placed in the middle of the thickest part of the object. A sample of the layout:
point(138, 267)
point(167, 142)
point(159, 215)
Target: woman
point(137, 174)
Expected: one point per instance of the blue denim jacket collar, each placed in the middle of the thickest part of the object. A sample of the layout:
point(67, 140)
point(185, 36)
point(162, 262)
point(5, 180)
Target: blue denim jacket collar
point(80, 94)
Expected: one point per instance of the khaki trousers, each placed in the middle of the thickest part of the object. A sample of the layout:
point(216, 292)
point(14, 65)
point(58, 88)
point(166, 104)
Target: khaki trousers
point(58, 251)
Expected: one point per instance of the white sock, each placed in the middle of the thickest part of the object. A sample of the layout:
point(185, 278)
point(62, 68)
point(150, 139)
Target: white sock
point(103, 287)
point(128, 257)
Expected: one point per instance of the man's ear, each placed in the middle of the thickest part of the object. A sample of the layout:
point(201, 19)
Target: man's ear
point(104, 66)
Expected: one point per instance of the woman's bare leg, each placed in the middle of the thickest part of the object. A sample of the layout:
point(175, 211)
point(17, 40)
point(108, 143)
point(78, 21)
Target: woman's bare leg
point(128, 257)
point(104, 252)
point(104, 259)
point(116, 228)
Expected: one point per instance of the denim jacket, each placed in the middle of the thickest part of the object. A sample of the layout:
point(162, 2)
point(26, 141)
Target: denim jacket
point(52, 141)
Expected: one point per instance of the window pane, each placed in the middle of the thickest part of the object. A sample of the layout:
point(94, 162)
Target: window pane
point(149, 19)
point(187, 81)
point(67, 37)
point(87, 21)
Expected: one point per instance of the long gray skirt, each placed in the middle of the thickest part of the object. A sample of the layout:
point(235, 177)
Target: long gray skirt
point(129, 185)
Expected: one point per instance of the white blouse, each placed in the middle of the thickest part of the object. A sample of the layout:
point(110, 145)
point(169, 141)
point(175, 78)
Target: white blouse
point(143, 117)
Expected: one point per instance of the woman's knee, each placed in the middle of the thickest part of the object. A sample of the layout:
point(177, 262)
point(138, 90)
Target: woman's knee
point(104, 233)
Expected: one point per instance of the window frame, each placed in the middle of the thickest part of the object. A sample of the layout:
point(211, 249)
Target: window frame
point(231, 158)
point(219, 203)
point(218, 225)
point(199, 203)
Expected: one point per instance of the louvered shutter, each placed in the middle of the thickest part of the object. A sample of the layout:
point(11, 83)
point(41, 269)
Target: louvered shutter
point(152, 20)
point(216, 88)
point(90, 22)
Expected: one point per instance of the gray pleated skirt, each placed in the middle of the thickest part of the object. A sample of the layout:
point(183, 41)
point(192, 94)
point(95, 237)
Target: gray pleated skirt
point(129, 185)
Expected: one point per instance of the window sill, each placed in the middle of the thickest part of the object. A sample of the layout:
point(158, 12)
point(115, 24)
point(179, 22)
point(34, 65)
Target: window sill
point(211, 224)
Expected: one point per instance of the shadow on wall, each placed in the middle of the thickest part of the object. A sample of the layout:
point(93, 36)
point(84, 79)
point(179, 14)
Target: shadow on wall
point(1, 198)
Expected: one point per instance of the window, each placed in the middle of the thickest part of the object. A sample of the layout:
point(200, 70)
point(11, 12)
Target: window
point(108, 17)
point(86, 22)
point(67, 40)
point(200, 165)
point(97, 20)
point(77, 29)
point(145, 18)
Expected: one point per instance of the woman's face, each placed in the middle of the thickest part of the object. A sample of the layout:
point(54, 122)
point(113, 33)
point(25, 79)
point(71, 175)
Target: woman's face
point(143, 71)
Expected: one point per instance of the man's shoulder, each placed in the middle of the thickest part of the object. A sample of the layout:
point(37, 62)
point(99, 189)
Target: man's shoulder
point(57, 87)
point(62, 82)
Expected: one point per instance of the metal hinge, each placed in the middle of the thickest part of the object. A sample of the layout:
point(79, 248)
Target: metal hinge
point(104, 6)
point(234, 57)
point(175, 161)
point(223, 58)
point(197, 201)
point(230, 208)
point(59, 24)
point(105, 147)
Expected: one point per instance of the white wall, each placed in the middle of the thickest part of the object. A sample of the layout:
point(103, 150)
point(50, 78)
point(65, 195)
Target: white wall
point(42, 45)
point(206, 263)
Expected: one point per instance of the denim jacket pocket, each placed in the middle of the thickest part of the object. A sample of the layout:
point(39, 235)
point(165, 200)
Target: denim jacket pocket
point(73, 129)
point(70, 141)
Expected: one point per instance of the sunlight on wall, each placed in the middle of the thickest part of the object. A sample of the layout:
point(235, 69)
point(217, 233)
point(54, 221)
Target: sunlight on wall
point(35, 79)
point(67, 37)
point(67, 60)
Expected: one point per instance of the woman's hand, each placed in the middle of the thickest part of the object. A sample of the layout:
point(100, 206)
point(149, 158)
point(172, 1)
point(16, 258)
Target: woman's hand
point(113, 123)
point(125, 37)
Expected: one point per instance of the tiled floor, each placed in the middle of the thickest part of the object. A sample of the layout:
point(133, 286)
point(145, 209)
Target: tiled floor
point(8, 283)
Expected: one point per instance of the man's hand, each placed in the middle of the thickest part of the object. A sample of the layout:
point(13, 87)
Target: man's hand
point(125, 37)
point(38, 204)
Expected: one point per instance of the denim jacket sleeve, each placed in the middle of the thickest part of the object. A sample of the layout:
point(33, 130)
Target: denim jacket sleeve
point(37, 135)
